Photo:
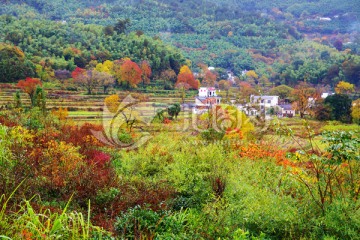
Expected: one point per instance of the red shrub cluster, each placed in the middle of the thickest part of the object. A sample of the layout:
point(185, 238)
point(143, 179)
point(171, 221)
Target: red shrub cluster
point(81, 136)
point(256, 151)
point(59, 163)
point(7, 122)
point(166, 121)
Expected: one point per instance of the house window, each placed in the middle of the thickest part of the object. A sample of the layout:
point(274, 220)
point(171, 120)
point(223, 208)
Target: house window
point(268, 101)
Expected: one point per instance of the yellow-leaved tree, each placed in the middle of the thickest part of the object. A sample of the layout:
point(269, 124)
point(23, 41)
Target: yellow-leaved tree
point(107, 66)
point(252, 77)
point(112, 102)
point(344, 88)
point(185, 69)
point(355, 111)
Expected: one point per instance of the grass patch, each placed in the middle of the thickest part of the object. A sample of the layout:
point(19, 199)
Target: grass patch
point(337, 126)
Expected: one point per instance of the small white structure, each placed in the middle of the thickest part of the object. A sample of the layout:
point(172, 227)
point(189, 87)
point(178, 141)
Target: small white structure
point(252, 112)
point(265, 101)
point(206, 98)
point(207, 94)
point(287, 110)
point(243, 72)
point(325, 95)
point(231, 76)
point(248, 110)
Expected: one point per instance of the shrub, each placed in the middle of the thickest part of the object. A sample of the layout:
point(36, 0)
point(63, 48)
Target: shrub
point(125, 137)
point(28, 222)
point(144, 223)
point(212, 135)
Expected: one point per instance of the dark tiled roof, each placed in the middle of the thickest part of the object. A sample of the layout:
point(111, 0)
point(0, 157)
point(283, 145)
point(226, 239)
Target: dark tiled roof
point(286, 106)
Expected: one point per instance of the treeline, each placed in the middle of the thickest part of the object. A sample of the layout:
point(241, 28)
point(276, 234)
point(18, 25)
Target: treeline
point(64, 46)
point(218, 34)
point(313, 63)
point(233, 36)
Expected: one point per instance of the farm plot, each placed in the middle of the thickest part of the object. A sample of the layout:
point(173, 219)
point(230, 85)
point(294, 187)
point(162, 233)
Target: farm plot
point(85, 108)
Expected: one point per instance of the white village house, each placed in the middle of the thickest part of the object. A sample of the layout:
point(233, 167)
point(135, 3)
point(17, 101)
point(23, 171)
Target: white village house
point(248, 110)
point(287, 110)
point(206, 98)
point(265, 102)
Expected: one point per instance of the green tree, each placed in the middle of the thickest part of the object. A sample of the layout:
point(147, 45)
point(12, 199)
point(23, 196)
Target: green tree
point(13, 64)
point(340, 107)
point(121, 26)
point(282, 91)
point(174, 110)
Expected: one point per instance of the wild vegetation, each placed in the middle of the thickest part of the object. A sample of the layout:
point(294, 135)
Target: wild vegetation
point(227, 184)
point(98, 139)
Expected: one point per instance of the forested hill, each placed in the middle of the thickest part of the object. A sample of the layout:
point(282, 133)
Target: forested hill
point(181, 16)
point(228, 34)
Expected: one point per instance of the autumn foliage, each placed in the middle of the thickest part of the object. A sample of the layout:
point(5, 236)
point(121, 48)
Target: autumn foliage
point(260, 151)
point(112, 102)
point(78, 72)
point(130, 73)
point(145, 72)
point(29, 85)
point(344, 88)
point(186, 79)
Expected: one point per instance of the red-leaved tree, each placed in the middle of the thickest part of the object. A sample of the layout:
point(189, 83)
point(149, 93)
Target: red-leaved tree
point(29, 86)
point(146, 72)
point(89, 79)
point(130, 73)
point(188, 78)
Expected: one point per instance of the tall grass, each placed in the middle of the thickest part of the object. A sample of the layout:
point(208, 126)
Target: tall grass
point(27, 223)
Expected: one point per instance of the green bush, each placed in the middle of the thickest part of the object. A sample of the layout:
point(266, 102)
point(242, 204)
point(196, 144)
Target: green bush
point(125, 138)
point(145, 223)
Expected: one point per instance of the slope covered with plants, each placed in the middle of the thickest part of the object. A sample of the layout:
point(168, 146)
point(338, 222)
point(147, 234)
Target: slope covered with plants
point(220, 35)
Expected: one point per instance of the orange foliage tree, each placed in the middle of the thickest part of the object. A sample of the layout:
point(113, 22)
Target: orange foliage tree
point(29, 86)
point(61, 113)
point(186, 77)
point(145, 72)
point(246, 90)
point(60, 166)
point(303, 95)
point(257, 151)
point(130, 73)
point(209, 78)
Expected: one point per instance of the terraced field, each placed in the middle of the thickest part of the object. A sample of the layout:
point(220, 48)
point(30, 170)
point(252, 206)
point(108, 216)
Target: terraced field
point(85, 108)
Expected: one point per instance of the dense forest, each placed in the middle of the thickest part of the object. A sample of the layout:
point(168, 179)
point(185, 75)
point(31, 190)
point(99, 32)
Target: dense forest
point(236, 35)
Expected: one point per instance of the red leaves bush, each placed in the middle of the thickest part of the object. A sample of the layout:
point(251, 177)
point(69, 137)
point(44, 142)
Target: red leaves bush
point(256, 151)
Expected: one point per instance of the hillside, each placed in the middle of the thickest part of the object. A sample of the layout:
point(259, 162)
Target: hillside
point(233, 35)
